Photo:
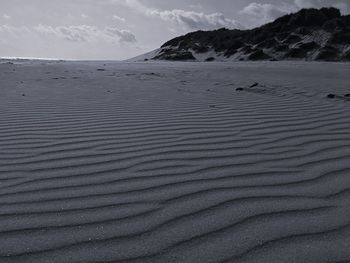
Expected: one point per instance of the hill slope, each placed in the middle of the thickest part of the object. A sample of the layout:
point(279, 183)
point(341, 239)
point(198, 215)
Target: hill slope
point(310, 34)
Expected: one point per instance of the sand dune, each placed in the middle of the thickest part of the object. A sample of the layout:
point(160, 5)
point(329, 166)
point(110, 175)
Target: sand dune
point(166, 162)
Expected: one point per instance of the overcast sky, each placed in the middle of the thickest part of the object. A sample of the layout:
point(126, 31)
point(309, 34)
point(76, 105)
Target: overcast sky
point(120, 29)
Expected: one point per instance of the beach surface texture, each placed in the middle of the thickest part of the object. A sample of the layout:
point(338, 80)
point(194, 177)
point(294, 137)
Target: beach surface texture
point(174, 162)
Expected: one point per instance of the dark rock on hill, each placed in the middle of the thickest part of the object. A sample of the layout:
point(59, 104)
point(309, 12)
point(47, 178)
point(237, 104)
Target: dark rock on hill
point(258, 55)
point(175, 55)
point(328, 53)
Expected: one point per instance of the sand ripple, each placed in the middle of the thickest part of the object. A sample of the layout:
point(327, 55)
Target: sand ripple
point(175, 166)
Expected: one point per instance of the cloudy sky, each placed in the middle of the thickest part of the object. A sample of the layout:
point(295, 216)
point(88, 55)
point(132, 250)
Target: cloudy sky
point(120, 29)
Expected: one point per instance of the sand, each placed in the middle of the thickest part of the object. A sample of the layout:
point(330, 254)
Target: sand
point(167, 162)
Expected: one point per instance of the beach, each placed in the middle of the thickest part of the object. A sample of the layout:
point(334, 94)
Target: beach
point(174, 162)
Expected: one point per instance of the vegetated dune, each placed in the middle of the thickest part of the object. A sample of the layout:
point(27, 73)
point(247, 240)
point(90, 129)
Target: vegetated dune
point(310, 34)
point(168, 162)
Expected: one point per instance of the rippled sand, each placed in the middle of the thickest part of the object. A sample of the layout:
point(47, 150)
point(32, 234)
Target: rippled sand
point(167, 162)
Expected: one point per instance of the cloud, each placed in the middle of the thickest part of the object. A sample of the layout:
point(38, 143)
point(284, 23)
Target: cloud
point(124, 35)
point(85, 33)
point(194, 20)
point(196, 6)
point(119, 19)
point(80, 33)
point(16, 31)
point(68, 42)
point(263, 13)
point(188, 19)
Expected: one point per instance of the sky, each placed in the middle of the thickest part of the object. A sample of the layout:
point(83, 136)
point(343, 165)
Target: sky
point(121, 29)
